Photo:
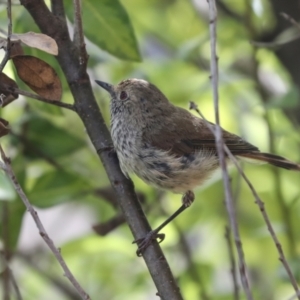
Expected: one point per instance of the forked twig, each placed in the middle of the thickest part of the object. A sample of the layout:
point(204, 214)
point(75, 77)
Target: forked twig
point(37, 97)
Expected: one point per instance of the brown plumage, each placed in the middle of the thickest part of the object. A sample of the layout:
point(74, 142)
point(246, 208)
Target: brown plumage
point(166, 145)
point(194, 135)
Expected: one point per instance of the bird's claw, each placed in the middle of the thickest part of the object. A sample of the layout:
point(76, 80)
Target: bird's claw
point(144, 242)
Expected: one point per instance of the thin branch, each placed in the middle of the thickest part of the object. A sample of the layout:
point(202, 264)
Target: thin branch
point(284, 207)
point(264, 95)
point(6, 166)
point(220, 150)
point(261, 205)
point(232, 264)
point(7, 53)
point(285, 213)
point(290, 19)
point(37, 97)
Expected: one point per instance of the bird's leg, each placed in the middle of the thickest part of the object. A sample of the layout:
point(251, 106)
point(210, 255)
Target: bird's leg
point(143, 243)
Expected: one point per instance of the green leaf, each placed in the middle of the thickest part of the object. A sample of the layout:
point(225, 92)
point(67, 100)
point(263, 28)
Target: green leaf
point(106, 23)
point(15, 210)
point(50, 140)
point(57, 187)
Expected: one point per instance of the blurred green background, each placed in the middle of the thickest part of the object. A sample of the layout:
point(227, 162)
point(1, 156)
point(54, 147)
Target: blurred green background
point(167, 43)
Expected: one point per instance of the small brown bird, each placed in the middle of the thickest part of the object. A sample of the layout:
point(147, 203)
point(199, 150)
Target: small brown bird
point(167, 146)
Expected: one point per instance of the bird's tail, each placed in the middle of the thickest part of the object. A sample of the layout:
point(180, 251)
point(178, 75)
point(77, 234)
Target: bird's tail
point(272, 159)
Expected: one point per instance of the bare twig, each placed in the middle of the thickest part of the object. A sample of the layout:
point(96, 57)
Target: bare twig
point(278, 187)
point(220, 150)
point(290, 19)
point(260, 203)
point(242, 269)
point(284, 208)
point(37, 97)
point(7, 53)
point(232, 264)
point(261, 206)
point(6, 166)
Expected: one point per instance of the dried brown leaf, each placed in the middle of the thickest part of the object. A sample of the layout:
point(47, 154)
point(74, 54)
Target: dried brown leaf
point(39, 76)
point(37, 40)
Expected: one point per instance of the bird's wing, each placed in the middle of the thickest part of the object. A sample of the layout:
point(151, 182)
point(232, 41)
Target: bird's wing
point(189, 134)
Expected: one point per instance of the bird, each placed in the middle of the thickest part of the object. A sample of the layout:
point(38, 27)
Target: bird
point(167, 146)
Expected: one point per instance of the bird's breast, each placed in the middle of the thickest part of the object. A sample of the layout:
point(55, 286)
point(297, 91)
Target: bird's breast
point(126, 140)
point(156, 166)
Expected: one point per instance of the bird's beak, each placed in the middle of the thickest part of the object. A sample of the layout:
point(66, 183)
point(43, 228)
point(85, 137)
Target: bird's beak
point(106, 86)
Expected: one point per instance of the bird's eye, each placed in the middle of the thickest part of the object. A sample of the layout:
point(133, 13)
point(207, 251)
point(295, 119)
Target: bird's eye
point(123, 95)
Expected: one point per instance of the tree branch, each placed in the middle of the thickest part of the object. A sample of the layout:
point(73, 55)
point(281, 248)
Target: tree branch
point(9, 32)
point(92, 119)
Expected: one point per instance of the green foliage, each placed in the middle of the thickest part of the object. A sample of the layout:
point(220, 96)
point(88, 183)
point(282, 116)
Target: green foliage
point(106, 24)
point(57, 187)
point(49, 139)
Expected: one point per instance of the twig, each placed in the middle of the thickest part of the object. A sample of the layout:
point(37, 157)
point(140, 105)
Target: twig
point(284, 207)
point(290, 19)
point(261, 206)
point(6, 166)
point(220, 150)
point(232, 264)
point(242, 264)
point(37, 97)
point(285, 213)
point(7, 53)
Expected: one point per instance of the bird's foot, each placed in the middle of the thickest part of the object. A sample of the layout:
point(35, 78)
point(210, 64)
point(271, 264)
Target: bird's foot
point(144, 242)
